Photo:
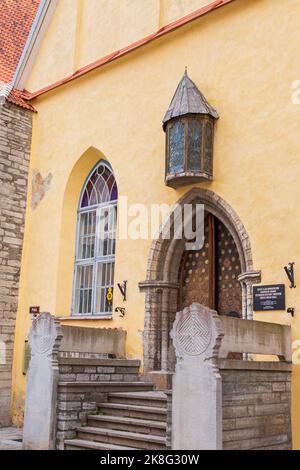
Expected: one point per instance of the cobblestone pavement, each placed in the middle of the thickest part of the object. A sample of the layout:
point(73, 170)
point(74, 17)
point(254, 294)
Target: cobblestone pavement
point(10, 439)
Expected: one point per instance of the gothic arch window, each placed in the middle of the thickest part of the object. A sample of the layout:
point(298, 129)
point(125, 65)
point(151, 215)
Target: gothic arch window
point(95, 244)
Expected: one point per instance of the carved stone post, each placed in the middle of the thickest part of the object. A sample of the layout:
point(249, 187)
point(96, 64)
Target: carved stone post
point(247, 280)
point(161, 306)
point(197, 387)
point(41, 392)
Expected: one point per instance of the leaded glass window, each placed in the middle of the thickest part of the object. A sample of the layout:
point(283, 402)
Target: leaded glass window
point(208, 150)
point(95, 244)
point(195, 144)
point(176, 148)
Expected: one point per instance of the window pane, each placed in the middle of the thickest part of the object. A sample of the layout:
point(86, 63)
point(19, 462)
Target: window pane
point(194, 144)
point(107, 231)
point(87, 231)
point(84, 289)
point(208, 148)
point(176, 148)
point(104, 286)
point(101, 187)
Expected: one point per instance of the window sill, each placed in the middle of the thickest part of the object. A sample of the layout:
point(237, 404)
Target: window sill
point(88, 317)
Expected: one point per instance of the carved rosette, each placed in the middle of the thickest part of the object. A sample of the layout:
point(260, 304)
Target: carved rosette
point(45, 336)
point(197, 332)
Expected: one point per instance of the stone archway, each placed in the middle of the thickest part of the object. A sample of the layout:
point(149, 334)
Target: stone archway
point(161, 284)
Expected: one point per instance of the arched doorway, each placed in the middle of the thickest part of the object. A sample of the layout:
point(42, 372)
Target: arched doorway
point(166, 272)
point(209, 276)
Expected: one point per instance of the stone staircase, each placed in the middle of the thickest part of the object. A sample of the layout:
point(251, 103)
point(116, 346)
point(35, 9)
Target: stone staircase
point(126, 421)
point(103, 404)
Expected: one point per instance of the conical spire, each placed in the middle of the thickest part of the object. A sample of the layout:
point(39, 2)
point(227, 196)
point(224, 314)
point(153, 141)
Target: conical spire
point(188, 99)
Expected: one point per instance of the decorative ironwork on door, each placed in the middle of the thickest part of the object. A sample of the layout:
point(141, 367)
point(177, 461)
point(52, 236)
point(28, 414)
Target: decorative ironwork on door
point(210, 276)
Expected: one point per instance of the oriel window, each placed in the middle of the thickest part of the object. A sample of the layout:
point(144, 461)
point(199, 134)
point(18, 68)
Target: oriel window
point(189, 127)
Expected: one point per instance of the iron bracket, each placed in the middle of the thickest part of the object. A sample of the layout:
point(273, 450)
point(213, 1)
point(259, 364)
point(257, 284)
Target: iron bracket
point(289, 269)
point(123, 289)
point(121, 310)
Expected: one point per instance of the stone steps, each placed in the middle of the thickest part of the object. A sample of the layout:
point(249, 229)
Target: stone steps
point(103, 386)
point(156, 399)
point(81, 444)
point(142, 426)
point(134, 411)
point(131, 415)
point(123, 438)
point(85, 361)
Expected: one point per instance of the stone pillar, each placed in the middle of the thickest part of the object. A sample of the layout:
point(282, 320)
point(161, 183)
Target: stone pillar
point(247, 280)
point(197, 387)
point(161, 306)
point(41, 392)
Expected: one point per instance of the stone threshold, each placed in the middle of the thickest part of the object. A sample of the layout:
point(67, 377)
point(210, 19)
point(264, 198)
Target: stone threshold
point(108, 386)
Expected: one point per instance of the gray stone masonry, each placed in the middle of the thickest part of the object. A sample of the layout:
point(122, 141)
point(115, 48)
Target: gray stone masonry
point(15, 141)
point(256, 405)
point(91, 370)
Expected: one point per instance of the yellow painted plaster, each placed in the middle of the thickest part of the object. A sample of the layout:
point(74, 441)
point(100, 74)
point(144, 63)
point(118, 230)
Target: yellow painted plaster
point(83, 31)
point(171, 10)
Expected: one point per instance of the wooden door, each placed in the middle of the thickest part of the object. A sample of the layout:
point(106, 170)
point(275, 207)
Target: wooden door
point(210, 276)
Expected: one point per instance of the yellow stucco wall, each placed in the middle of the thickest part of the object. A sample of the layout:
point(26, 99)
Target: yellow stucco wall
point(244, 59)
point(171, 10)
point(83, 31)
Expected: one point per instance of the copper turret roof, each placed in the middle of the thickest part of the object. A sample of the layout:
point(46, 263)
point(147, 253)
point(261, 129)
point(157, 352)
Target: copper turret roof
point(188, 99)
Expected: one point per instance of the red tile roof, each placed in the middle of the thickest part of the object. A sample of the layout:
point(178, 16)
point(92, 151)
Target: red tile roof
point(16, 18)
point(17, 97)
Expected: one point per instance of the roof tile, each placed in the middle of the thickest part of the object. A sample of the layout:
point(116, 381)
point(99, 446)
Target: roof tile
point(16, 18)
point(17, 97)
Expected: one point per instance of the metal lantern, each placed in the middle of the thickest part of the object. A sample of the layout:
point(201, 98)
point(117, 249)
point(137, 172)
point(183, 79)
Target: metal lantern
point(189, 127)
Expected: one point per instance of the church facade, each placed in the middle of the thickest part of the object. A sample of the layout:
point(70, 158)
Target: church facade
point(142, 110)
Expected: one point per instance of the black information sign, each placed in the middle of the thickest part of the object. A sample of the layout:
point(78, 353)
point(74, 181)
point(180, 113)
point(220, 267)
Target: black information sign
point(34, 310)
point(269, 297)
